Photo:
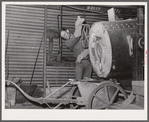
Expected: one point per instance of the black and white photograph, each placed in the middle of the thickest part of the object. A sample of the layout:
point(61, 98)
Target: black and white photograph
point(74, 60)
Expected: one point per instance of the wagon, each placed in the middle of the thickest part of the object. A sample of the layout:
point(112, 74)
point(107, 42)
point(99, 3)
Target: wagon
point(112, 50)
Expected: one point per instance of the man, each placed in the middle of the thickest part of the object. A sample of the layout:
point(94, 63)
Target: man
point(74, 43)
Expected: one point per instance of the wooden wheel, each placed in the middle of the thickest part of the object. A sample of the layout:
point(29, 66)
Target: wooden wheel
point(106, 94)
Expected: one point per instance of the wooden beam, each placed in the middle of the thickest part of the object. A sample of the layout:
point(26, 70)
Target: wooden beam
point(44, 51)
point(140, 18)
point(112, 16)
point(60, 43)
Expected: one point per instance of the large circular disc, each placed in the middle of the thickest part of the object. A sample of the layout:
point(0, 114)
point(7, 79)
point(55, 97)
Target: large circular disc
point(100, 50)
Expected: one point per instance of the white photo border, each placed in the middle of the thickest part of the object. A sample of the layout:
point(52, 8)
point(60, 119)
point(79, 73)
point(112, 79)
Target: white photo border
point(29, 114)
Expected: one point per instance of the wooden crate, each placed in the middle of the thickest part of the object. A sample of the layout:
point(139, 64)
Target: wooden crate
point(138, 91)
point(138, 87)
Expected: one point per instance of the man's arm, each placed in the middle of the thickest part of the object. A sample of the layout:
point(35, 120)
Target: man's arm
point(77, 34)
point(70, 43)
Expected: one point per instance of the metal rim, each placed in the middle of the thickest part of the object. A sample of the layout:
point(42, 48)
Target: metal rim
point(104, 102)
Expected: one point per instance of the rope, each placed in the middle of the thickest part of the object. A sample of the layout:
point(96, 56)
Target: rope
point(86, 29)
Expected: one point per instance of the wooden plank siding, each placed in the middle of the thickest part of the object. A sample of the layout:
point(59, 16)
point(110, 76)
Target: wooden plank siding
point(26, 25)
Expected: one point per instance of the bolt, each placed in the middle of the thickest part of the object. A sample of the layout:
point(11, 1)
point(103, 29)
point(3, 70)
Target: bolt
point(114, 67)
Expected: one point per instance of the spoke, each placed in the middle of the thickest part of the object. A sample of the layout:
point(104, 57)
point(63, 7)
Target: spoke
point(113, 97)
point(98, 98)
point(58, 105)
point(107, 94)
point(48, 105)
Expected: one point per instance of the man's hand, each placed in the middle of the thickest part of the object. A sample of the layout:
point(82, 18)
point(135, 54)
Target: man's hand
point(79, 59)
point(78, 26)
point(82, 55)
point(79, 22)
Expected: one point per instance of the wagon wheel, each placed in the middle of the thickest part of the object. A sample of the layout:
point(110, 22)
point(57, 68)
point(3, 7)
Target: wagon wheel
point(106, 94)
point(74, 94)
point(85, 38)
